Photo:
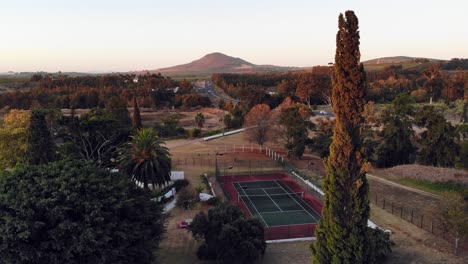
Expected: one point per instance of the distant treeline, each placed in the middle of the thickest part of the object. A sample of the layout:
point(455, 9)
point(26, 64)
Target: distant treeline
point(312, 86)
point(431, 82)
point(456, 64)
point(423, 84)
point(151, 90)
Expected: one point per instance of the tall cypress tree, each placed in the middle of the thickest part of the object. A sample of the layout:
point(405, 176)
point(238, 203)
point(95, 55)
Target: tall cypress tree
point(136, 118)
point(341, 233)
point(41, 146)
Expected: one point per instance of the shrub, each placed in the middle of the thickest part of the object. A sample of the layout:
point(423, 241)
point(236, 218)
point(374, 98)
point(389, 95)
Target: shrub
point(213, 201)
point(181, 131)
point(195, 132)
point(179, 184)
point(380, 244)
point(205, 252)
point(187, 197)
point(212, 132)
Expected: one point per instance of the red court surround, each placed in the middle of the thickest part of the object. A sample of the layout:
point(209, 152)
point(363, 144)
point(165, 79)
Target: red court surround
point(275, 232)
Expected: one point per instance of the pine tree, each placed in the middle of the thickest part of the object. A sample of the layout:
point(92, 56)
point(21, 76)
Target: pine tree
point(136, 120)
point(341, 233)
point(41, 147)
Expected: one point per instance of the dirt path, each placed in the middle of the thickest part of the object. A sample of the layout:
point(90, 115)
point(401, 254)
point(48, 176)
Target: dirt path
point(370, 176)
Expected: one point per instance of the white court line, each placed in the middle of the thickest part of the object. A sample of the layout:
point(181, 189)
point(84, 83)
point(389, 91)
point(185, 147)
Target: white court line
point(272, 201)
point(297, 202)
point(292, 211)
point(252, 205)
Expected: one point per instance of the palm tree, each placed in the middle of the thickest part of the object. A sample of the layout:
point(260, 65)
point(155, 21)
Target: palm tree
point(200, 120)
point(146, 160)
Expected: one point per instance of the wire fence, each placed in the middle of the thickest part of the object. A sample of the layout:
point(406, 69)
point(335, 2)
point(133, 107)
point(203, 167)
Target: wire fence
point(429, 222)
point(228, 160)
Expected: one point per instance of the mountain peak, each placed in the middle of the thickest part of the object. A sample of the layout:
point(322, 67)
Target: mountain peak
point(218, 62)
point(215, 54)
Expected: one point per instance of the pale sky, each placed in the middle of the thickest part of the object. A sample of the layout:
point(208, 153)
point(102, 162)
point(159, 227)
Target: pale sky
point(115, 35)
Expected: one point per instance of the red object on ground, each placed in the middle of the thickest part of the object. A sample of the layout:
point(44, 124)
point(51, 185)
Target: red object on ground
point(184, 223)
point(275, 232)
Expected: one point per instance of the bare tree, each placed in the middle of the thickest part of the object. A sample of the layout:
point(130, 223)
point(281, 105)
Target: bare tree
point(258, 122)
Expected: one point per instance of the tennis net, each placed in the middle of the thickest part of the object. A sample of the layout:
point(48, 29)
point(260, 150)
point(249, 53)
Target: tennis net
point(269, 196)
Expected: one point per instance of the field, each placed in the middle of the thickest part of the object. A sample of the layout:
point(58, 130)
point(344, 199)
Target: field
point(406, 65)
point(436, 180)
point(8, 84)
point(150, 117)
point(186, 118)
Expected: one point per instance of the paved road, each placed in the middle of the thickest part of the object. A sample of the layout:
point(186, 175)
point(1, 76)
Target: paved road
point(208, 89)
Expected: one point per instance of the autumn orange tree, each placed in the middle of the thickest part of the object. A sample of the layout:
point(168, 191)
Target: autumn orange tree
point(13, 138)
point(258, 121)
point(342, 231)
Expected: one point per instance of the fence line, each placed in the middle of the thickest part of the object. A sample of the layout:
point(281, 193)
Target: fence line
point(427, 222)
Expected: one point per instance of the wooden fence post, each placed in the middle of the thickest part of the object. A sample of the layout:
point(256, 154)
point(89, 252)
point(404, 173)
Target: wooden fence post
point(412, 215)
point(383, 207)
point(422, 220)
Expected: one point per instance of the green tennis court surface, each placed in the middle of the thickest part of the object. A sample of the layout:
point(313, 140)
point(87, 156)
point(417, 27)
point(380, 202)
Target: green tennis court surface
point(275, 203)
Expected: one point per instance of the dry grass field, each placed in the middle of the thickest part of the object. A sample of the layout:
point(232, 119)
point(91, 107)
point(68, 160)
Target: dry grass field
point(428, 173)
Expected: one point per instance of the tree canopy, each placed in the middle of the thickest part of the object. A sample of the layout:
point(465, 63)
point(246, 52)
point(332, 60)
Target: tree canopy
point(13, 138)
point(293, 126)
point(228, 237)
point(258, 122)
point(72, 212)
point(396, 146)
point(41, 146)
point(438, 146)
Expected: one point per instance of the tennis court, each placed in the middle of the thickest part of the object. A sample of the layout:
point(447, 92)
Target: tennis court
point(274, 203)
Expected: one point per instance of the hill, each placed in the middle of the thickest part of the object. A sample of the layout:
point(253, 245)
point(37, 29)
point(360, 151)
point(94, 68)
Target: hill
point(413, 63)
point(218, 63)
point(398, 60)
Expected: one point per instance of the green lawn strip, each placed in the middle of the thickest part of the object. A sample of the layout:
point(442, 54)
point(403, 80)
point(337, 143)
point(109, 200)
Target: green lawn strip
point(433, 187)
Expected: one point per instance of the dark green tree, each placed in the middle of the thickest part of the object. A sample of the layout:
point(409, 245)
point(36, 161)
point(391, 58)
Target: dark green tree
point(72, 212)
point(41, 146)
point(136, 118)
point(93, 137)
point(342, 232)
point(323, 138)
point(199, 120)
point(228, 237)
point(227, 120)
point(294, 126)
point(169, 126)
point(146, 160)
point(238, 114)
point(438, 146)
point(117, 110)
point(396, 146)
